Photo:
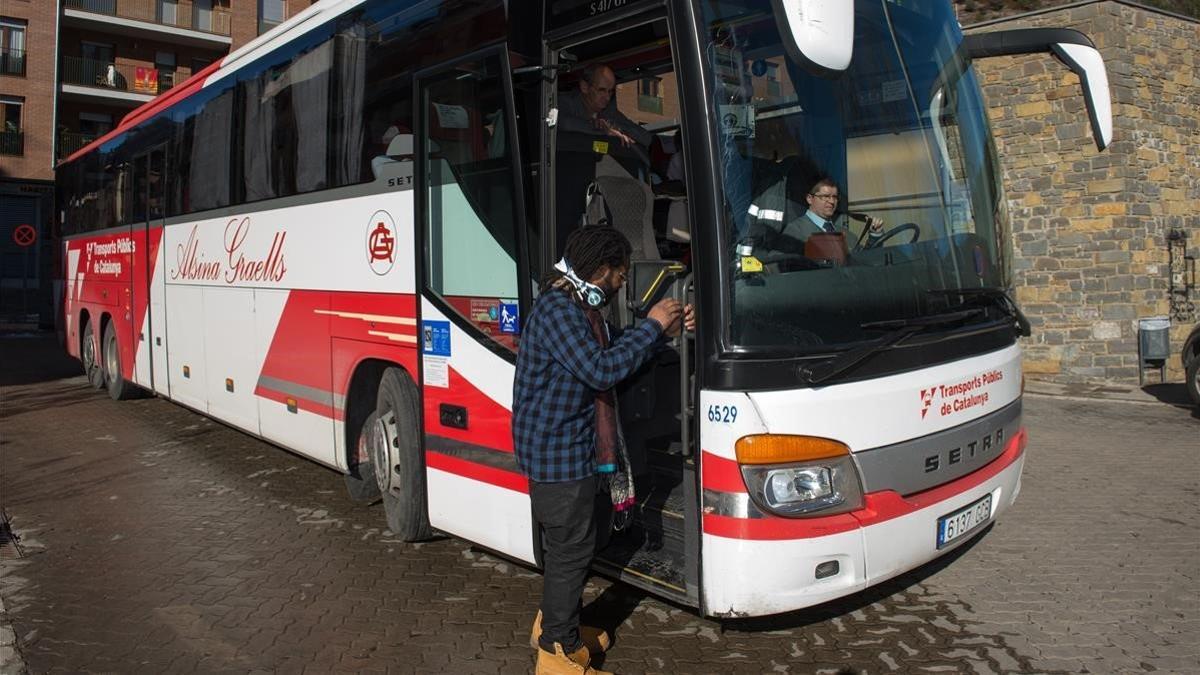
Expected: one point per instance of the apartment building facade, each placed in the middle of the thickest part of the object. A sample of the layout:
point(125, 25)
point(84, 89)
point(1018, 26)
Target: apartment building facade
point(69, 71)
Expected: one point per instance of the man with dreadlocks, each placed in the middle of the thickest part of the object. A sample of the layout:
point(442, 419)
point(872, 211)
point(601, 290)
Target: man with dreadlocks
point(565, 426)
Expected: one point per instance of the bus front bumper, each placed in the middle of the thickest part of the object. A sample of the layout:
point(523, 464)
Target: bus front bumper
point(769, 565)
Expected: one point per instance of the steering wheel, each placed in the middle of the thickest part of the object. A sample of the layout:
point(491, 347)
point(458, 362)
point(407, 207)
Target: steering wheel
point(910, 227)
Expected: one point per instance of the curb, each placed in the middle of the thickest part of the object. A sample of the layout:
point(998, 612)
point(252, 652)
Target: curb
point(1171, 393)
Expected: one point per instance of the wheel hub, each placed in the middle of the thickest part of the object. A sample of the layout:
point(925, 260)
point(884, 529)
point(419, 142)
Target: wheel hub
point(89, 351)
point(380, 449)
point(110, 362)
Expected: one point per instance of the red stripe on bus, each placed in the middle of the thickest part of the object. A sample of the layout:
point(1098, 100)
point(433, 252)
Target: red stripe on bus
point(479, 472)
point(879, 506)
point(719, 473)
point(775, 528)
point(489, 423)
point(886, 504)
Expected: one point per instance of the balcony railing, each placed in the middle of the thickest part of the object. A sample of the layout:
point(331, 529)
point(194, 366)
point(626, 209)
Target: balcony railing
point(116, 76)
point(215, 20)
point(69, 143)
point(12, 62)
point(12, 143)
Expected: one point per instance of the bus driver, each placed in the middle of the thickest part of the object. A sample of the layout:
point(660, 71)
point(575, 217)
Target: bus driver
point(822, 215)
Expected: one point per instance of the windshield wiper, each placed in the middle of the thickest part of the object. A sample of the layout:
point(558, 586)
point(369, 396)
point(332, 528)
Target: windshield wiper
point(996, 294)
point(898, 330)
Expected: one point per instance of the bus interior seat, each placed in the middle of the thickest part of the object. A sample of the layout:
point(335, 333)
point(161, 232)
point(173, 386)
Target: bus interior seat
point(629, 204)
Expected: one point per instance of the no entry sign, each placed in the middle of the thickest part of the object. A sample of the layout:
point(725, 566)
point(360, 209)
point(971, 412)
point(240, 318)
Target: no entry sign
point(24, 235)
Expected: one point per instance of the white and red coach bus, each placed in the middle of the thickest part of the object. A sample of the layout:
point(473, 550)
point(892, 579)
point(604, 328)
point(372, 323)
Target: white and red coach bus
point(329, 239)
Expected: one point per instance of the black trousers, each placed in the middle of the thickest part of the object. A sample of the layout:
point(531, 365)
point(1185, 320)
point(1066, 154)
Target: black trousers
point(574, 525)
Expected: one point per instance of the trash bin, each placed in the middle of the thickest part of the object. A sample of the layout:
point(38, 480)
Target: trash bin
point(1154, 345)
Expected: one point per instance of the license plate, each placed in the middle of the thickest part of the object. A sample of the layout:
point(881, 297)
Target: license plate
point(963, 521)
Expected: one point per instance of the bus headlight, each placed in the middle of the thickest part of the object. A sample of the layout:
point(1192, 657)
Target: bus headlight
point(799, 475)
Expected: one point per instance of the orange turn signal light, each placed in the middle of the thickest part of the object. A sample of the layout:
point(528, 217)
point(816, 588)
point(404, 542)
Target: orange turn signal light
point(786, 448)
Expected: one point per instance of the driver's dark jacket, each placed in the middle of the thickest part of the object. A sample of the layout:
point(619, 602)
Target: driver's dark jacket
point(772, 239)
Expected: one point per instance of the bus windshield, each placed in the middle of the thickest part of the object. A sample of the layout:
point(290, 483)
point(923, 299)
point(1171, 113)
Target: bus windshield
point(900, 140)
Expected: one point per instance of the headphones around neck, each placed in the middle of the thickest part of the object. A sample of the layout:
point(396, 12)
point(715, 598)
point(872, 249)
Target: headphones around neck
point(588, 293)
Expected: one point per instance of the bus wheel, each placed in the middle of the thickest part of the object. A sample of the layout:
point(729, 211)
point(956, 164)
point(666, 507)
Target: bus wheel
point(118, 388)
point(362, 483)
point(395, 435)
point(87, 354)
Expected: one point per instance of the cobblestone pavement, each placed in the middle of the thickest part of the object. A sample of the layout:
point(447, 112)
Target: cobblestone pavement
point(154, 540)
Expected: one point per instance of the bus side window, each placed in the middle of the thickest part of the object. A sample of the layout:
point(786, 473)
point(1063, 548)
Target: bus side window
point(469, 189)
point(284, 120)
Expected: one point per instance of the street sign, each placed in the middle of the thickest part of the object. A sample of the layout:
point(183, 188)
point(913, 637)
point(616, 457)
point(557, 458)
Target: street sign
point(24, 235)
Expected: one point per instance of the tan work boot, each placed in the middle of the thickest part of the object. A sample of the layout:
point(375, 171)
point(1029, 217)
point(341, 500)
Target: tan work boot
point(566, 664)
point(595, 639)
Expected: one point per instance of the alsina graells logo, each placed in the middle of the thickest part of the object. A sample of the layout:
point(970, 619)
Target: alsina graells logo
point(381, 242)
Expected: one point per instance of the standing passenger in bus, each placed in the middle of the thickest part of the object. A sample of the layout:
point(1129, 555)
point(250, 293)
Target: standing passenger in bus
point(565, 425)
point(593, 109)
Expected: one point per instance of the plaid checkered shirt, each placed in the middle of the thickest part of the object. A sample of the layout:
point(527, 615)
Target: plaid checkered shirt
point(560, 367)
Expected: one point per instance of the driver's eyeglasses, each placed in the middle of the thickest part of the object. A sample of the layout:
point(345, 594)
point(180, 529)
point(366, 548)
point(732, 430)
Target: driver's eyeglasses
point(828, 198)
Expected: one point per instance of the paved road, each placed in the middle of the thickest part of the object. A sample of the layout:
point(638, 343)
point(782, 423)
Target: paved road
point(155, 540)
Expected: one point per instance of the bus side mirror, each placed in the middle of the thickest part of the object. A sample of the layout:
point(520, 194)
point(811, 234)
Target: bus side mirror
point(819, 34)
point(1071, 47)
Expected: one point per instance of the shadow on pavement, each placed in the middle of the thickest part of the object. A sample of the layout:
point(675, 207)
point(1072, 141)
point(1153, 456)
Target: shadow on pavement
point(618, 602)
point(33, 356)
point(1173, 393)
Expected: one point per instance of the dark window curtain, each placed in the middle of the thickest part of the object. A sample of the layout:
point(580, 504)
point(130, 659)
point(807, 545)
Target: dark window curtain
point(257, 144)
point(348, 125)
point(209, 175)
point(309, 76)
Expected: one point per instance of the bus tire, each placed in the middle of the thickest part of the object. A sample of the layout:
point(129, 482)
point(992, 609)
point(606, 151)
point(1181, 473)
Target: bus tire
point(397, 422)
point(118, 388)
point(87, 354)
point(362, 483)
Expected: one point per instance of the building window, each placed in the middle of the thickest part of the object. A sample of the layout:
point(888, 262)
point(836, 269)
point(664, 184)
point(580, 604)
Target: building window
point(12, 136)
point(12, 46)
point(97, 51)
point(164, 63)
point(95, 124)
point(772, 74)
point(168, 12)
point(271, 13)
point(650, 95)
point(95, 67)
point(202, 15)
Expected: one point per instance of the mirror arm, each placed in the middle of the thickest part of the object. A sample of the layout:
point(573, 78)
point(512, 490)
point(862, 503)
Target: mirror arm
point(548, 73)
point(1021, 41)
point(1073, 48)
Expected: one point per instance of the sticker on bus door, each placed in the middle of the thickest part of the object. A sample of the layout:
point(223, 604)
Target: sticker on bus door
point(435, 350)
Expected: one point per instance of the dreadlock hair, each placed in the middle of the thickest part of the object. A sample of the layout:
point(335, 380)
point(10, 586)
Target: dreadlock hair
point(591, 247)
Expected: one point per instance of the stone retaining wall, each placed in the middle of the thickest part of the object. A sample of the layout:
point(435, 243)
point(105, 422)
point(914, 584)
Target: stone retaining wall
point(1090, 229)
